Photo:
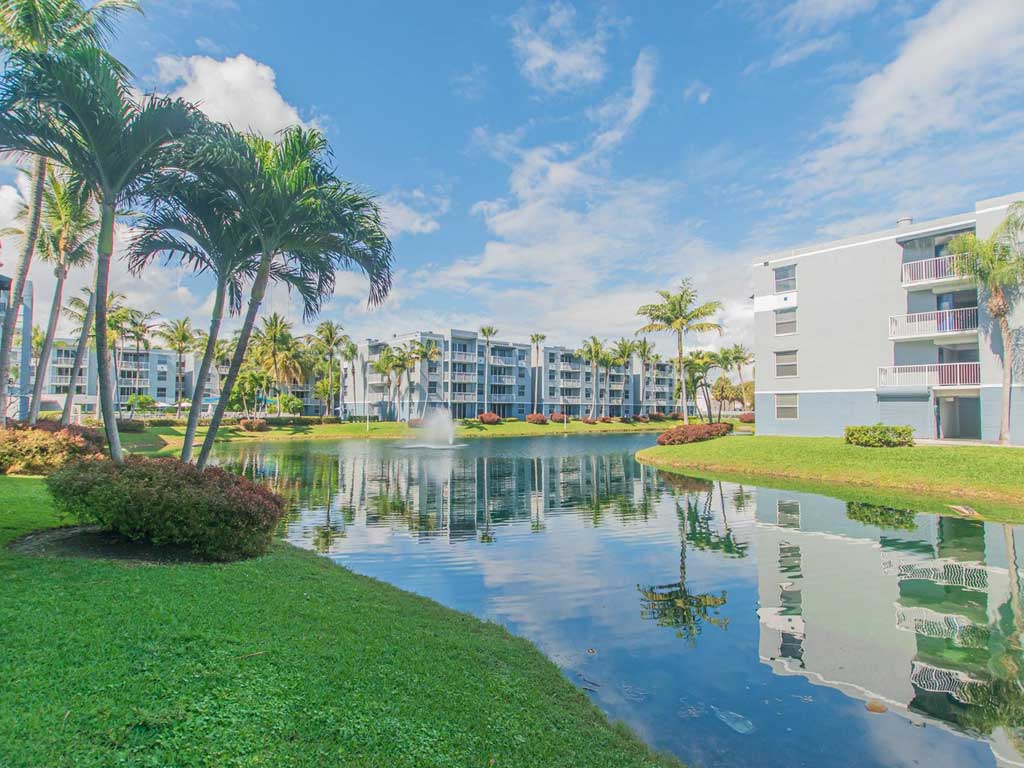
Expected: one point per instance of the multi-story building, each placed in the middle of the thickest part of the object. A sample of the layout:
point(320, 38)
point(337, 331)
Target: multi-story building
point(882, 328)
point(567, 385)
point(20, 376)
point(658, 389)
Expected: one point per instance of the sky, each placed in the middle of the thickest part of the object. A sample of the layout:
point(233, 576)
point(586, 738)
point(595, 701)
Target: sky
point(546, 167)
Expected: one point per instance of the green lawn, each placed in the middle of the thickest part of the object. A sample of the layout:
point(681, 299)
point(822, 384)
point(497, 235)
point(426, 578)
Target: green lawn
point(157, 438)
point(286, 660)
point(927, 478)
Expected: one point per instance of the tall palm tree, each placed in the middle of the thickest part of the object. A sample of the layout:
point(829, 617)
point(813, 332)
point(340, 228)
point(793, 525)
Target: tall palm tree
point(622, 353)
point(591, 352)
point(697, 367)
point(66, 239)
point(328, 338)
point(384, 365)
point(303, 217)
point(137, 329)
point(679, 313)
point(350, 353)
point(997, 264)
point(606, 361)
point(83, 312)
point(76, 110)
point(271, 342)
point(30, 28)
point(739, 356)
point(536, 339)
point(422, 350)
point(402, 363)
point(180, 338)
point(488, 332)
point(645, 353)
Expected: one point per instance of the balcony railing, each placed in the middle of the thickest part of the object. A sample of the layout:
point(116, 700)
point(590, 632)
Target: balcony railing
point(932, 270)
point(499, 360)
point(940, 323)
point(464, 397)
point(931, 375)
point(463, 357)
point(502, 379)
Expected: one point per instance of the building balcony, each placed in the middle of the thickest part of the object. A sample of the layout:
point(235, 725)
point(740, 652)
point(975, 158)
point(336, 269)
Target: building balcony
point(930, 375)
point(463, 357)
point(464, 378)
point(503, 379)
point(938, 272)
point(939, 324)
point(506, 361)
point(464, 397)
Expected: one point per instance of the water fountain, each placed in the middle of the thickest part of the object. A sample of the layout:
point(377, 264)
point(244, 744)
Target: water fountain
point(438, 430)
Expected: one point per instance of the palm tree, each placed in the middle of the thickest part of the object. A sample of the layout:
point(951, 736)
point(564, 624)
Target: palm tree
point(271, 343)
point(67, 239)
point(606, 361)
point(739, 356)
point(180, 338)
point(997, 264)
point(536, 339)
point(402, 362)
point(137, 329)
point(679, 313)
point(384, 365)
point(32, 28)
point(303, 217)
point(350, 353)
point(488, 332)
point(76, 110)
point(645, 352)
point(622, 353)
point(327, 339)
point(697, 367)
point(591, 352)
point(83, 312)
point(423, 350)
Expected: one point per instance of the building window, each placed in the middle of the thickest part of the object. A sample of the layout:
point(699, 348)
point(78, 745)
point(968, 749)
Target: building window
point(785, 321)
point(785, 364)
point(161, 392)
point(787, 406)
point(785, 279)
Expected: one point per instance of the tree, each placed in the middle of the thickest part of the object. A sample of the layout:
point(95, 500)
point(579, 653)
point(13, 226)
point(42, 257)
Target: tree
point(384, 366)
point(83, 312)
point(739, 357)
point(76, 110)
point(697, 367)
point(606, 361)
point(536, 339)
point(324, 390)
point(180, 338)
point(997, 264)
point(350, 353)
point(137, 329)
point(273, 348)
point(67, 239)
point(327, 339)
point(488, 332)
point(622, 353)
point(422, 350)
point(645, 352)
point(591, 352)
point(33, 28)
point(304, 218)
point(679, 313)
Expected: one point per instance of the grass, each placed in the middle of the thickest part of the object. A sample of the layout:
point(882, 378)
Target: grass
point(285, 660)
point(988, 479)
point(158, 438)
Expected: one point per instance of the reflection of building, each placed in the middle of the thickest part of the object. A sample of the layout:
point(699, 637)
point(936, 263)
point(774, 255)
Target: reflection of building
point(922, 620)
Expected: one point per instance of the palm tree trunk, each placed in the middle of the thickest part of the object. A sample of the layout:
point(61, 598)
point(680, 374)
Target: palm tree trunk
point(679, 370)
point(259, 287)
point(487, 374)
point(106, 385)
point(330, 386)
point(44, 353)
point(594, 399)
point(204, 370)
point(1004, 417)
point(277, 380)
point(80, 353)
point(18, 284)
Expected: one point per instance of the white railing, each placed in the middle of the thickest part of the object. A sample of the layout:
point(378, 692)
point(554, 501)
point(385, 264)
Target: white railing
point(503, 398)
point(931, 375)
point(499, 360)
point(464, 397)
point(463, 357)
point(502, 379)
point(464, 377)
point(931, 270)
point(939, 323)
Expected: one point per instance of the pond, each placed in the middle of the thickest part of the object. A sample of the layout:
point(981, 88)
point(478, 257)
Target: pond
point(728, 624)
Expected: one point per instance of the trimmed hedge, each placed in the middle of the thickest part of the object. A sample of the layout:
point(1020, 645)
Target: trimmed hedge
point(489, 418)
point(254, 425)
point(415, 423)
point(642, 419)
point(558, 417)
point(693, 433)
point(880, 436)
point(536, 418)
point(656, 416)
point(217, 515)
point(130, 425)
point(587, 420)
point(46, 447)
point(746, 418)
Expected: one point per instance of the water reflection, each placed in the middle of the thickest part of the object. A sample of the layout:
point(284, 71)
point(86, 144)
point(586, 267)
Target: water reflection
point(729, 624)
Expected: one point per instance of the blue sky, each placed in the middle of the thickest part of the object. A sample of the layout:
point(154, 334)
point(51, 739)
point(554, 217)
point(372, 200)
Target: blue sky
point(547, 166)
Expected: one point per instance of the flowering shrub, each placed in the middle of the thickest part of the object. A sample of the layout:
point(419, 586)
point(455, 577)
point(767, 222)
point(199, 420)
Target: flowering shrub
point(746, 418)
point(693, 433)
point(642, 419)
point(489, 418)
point(254, 425)
point(558, 418)
point(656, 416)
point(536, 418)
point(880, 436)
point(42, 449)
point(588, 420)
point(415, 423)
point(215, 514)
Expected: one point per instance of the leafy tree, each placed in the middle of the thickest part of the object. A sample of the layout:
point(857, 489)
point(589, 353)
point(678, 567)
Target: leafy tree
point(536, 339)
point(645, 352)
point(328, 338)
point(487, 332)
point(180, 338)
point(591, 352)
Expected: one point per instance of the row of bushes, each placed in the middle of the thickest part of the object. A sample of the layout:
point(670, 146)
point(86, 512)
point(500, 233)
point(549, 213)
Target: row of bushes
point(693, 433)
point(254, 425)
point(880, 436)
point(40, 450)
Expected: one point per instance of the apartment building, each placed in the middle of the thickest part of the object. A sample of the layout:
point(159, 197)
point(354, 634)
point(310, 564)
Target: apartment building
point(567, 385)
point(20, 374)
point(881, 328)
point(658, 388)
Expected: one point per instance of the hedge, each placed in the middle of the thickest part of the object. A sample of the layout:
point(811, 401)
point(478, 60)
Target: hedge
point(489, 418)
point(536, 418)
point(880, 436)
point(46, 447)
point(746, 418)
point(693, 433)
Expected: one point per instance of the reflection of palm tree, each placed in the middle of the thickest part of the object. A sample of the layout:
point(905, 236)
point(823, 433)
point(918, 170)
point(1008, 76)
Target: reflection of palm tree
point(486, 536)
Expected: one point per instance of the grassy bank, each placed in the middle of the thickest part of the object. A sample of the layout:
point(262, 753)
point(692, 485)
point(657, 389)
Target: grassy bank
point(157, 438)
point(286, 660)
point(988, 479)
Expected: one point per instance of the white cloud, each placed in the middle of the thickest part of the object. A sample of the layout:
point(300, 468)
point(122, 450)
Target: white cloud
point(471, 84)
point(801, 16)
point(553, 55)
point(697, 91)
point(236, 90)
point(209, 46)
point(415, 212)
point(796, 53)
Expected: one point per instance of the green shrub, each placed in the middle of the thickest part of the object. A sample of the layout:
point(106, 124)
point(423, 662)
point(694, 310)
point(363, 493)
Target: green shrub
point(215, 514)
point(130, 425)
point(880, 436)
point(46, 447)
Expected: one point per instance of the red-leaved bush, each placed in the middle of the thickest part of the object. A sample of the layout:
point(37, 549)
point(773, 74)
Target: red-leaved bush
point(415, 423)
point(489, 418)
point(254, 425)
point(626, 419)
point(656, 416)
point(558, 417)
point(536, 418)
point(588, 420)
point(693, 433)
point(605, 419)
point(746, 418)
point(642, 419)
point(215, 514)
point(41, 449)
point(676, 416)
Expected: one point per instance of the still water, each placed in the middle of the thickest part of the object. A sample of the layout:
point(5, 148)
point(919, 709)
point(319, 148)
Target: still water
point(729, 624)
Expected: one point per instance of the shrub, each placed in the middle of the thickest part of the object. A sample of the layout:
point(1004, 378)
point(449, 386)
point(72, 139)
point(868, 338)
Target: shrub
point(676, 416)
point(164, 421)
point(605, 419)
point(746, 418)
point(656, 416)
point(880, 436)
point(254, 425)
point(693, 433)
point(509, 419)
point(130, 425)
point(415, 423)
point(559, 418)
point(588, 420)
point(215, 514)
point(43, 449)
point(626, 419)
point(537, 418)
point(489, 418)
point(642, 419)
